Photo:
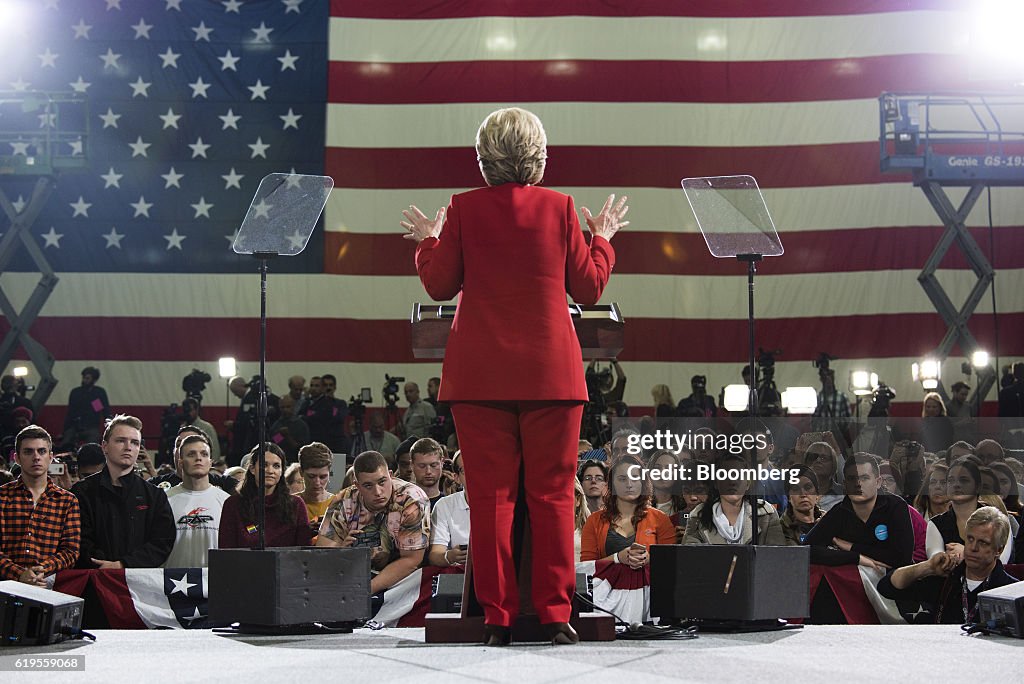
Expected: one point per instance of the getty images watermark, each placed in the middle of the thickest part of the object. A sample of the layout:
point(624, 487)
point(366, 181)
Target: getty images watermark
point(665, 440)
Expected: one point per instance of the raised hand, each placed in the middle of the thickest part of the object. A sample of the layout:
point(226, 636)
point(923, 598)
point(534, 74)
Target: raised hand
point(419, 226)
point(607, 223)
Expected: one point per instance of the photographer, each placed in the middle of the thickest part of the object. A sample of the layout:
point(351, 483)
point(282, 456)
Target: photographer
point(10, 399)
point(245, 427)
point(612, 387)
point(87, 407)
point(698, 404)
point(326, 416)
point(289, 431)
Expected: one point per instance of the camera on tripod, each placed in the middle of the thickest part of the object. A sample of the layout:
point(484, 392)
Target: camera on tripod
point(880, 400)
point(357, 405)
point(823, 363)
point(390, 390)
point(194, 384)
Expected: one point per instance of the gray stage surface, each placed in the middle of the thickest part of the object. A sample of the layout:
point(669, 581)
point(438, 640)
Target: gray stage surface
point(823, 653)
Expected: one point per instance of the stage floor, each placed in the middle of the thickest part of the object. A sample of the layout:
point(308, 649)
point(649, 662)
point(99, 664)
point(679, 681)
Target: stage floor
point(831, 653)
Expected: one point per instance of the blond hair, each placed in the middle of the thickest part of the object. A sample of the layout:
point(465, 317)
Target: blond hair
point(121, 419)
point(988, 515)
point(511, 147)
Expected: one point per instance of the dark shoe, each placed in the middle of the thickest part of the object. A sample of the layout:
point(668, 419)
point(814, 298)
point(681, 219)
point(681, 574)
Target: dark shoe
point(496, 635)
point(561, 633)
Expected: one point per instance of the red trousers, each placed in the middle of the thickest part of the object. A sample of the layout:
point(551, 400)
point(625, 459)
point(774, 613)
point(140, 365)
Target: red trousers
point(497, 439)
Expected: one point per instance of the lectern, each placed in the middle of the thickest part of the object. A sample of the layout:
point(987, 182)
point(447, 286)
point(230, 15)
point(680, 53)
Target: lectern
point(600, 330)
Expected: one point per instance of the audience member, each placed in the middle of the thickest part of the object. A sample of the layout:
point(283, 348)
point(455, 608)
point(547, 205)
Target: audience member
point(948, 584)
point(316, 388)
point(827, 465)
point(293, 479)
point(390, 516)
point(936, 427)
point(40, 523)
point(90, 459)
point(126, 521)
point(190, 408)
point(802, 511)
point(931, 500)
point(87, 407)
point(908, 458)
point(664, 406)
point(427, 456)
point(1011, 397)
point(315, 462)
point(989, 451)
point(593, 475)
point(286, 522)
point(326, 416)
point(420, 415)
point(698, 404)
point(289, 431)
point(725, 518)
point(449, 525)
point(173, 478)
point(378, 439)
point(196, 505)
point(1006, 488)
point(403, 461)
point(580, 513)
point(962, 413)
point(866, 527)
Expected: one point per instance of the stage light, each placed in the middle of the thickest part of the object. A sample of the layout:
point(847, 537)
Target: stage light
point(800, 400)
point(995, 47)
point(862, 382)
point(928, 373)
point(735, 398)
point(979, 359)
point(227, 366)
point(20, 371)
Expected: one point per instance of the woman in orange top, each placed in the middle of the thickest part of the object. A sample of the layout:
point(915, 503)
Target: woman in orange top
point(625, 529)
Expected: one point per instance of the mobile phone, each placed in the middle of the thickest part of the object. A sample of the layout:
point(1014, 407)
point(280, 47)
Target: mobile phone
point(57, 469)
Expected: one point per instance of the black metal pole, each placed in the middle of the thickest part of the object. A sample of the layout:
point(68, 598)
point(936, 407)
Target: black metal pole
point(261, 413)
point(751, 260)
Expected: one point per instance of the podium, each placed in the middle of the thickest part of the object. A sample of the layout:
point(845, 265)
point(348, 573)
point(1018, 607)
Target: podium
point(600, 332)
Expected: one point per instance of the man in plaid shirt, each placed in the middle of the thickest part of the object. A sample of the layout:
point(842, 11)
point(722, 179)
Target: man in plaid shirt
point(40, 523)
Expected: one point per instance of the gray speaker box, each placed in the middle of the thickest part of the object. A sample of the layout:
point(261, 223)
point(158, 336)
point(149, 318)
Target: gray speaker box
point(32, 615)
point(447, 596)
point(730, 582)
point(289, 586)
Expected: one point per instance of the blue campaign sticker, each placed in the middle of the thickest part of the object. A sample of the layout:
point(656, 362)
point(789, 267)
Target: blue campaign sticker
point(881, 533)
point(803, 538)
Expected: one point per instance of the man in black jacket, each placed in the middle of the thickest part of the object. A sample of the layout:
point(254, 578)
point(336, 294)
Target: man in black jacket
point(949, 590)
point(126, 522)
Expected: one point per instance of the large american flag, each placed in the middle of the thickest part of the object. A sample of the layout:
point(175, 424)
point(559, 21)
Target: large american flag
point(634, 96)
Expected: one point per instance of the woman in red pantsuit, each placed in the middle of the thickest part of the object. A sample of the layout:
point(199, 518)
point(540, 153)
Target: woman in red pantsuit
point(513, 370)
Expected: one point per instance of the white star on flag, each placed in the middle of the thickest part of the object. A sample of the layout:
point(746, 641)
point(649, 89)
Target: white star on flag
point(48, 59)
point(296, 239)
point(171, 178)
point(52, 238)
point(260, 209)
point(195, 616)
point(292, 180)
point(47, 120)
point(142, 29)
point(81, 29)
point(110, 59)
point(230, 120)
point(19, 204)
point(173, 4)
point(141, 207)
point(291, 120)
point(259, 148)
point(113, 4)
point(199, 148)
point(81, 207)
point(182, 585)
point(111, 179)
point(262, 33)
point(76, 147)
point(139, 148)
point(292, 6)
point(20, 148)
point(228, 61)
point(231, 180)
point(258, 90)
point(202, 32)
point(113, 238)
point(80, 86)
point(169, 58)
point(231, 6)
point(174, 241)
point(199, 88)
point(288, 60)
point(20, 84)
point(110, 118)
point(170, 119)
point(202, 208)
point(231, 238)
point(140, 87)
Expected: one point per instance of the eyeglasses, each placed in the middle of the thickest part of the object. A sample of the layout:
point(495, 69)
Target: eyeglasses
point(593, 478)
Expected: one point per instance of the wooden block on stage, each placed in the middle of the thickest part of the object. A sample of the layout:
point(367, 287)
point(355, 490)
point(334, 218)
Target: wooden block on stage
point(599, 329)
point(450, 628)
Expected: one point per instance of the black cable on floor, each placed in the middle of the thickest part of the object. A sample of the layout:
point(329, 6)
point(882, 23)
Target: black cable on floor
point(638, 632)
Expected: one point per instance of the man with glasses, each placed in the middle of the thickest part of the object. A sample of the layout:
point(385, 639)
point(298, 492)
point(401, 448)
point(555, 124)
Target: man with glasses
point(593, 475)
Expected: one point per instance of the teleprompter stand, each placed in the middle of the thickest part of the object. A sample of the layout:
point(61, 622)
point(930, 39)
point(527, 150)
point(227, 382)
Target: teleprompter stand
point(599, 329)
point(284, 590)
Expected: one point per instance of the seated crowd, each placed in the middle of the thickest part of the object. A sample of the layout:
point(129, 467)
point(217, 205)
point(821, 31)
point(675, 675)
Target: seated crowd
point(922, 522)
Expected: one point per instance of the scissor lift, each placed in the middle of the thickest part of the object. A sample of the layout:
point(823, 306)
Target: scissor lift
point(954, 140)
point(41, 135)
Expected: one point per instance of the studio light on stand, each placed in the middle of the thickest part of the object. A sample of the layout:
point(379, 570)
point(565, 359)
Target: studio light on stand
point(928, 372)
point(862, 384)
point(800, 401)
point(19, 371)
point(735, 398)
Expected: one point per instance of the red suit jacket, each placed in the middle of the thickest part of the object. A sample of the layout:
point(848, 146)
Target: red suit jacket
point(513, 251)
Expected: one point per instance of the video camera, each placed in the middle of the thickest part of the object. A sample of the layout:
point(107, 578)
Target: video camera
point(880, 400)
point(194, 384)
point(390, 390)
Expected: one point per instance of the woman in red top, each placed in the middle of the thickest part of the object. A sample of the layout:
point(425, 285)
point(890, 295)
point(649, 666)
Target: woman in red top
point(287, 523)
point(513, 370)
